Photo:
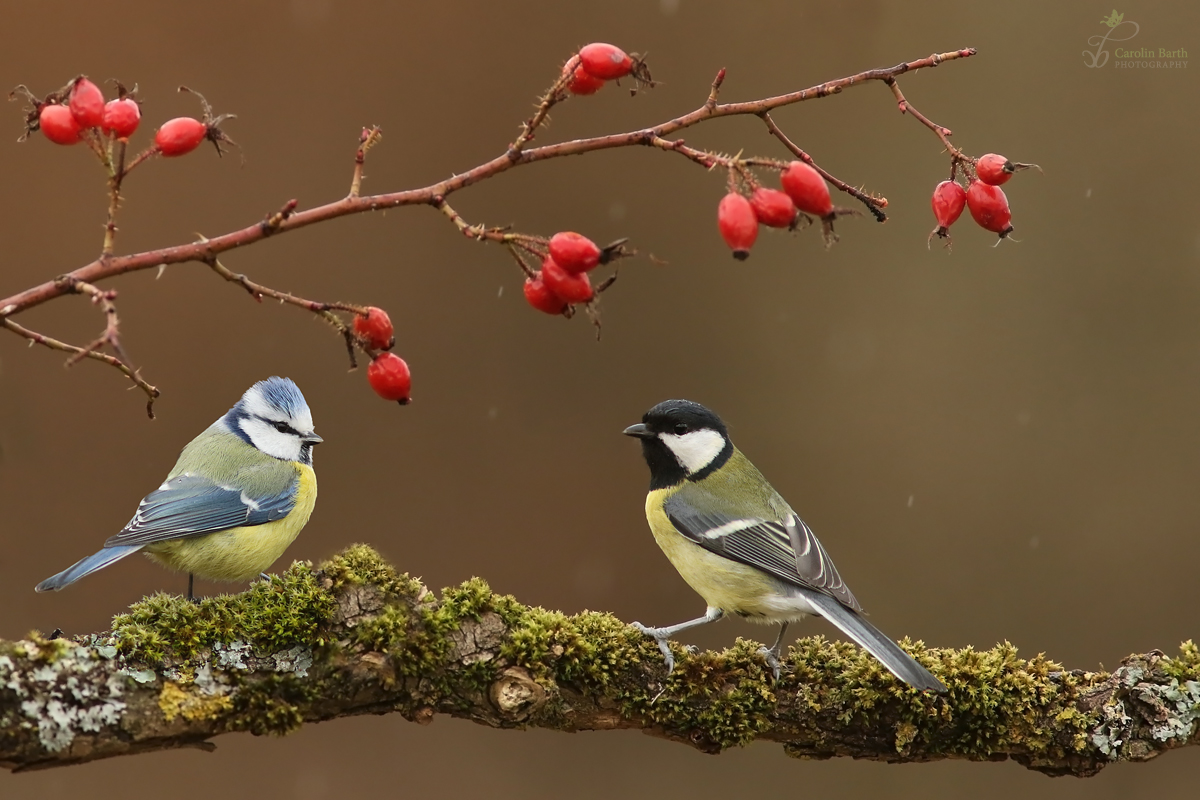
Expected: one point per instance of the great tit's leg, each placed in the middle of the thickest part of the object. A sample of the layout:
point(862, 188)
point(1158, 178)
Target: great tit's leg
point(771, 654)
point(191, 581)
point(661, 635)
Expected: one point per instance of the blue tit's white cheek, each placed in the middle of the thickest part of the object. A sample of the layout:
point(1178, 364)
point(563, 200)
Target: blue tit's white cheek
point(274, 443)
point(694, 450)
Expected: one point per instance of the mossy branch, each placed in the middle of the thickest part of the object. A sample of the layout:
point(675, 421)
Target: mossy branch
point(355, 637)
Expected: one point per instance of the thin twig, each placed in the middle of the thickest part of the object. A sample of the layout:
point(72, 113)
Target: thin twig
point(368, 139)
point(85, 278)
point(874, 204)
point(201, 251)
point(33, 336)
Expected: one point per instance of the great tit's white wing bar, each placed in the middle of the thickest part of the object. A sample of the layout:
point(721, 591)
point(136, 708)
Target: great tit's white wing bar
point(190, 505)
point(788, 549)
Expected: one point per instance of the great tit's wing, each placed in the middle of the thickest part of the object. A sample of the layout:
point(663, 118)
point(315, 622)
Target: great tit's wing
point(190, 505)
point(785, 548)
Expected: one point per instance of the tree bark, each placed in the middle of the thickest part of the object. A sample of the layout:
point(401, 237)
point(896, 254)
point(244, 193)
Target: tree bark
point(354, 637)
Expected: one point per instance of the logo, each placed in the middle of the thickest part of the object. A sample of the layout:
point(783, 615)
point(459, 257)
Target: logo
point(1122, 30)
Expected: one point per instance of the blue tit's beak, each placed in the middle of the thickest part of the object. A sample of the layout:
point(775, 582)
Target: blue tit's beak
point(311, 438)
point(640, 431)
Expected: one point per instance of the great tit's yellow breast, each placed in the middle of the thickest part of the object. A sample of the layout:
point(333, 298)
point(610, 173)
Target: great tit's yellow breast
point(723, 583)
point(240, 554)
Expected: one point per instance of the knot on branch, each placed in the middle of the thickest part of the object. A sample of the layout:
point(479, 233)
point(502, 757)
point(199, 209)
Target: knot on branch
point(516, 695)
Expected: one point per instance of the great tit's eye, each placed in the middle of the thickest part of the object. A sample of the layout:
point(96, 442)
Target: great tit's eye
point(680, 429)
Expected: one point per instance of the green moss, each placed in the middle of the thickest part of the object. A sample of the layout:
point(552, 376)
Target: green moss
point(289, 610)
point(361, 565)
point(271, 705)
point(1185, 666)
point(998, 702)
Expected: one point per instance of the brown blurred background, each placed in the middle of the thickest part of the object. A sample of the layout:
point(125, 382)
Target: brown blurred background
point(994, 444)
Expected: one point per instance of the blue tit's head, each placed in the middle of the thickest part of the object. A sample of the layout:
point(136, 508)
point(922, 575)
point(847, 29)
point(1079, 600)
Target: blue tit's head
point(274, 417)
point(682, 439)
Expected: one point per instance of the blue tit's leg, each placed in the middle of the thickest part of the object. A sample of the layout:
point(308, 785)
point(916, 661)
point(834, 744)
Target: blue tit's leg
point(661, 635)
point(265, 576)
point(771, 654)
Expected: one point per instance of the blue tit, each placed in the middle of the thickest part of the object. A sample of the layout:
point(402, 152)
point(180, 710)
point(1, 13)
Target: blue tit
point(739, 544)
point(239, 494)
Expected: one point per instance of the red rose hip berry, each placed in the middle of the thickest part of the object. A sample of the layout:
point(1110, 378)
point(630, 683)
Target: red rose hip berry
point(180, 136)
point(574, 252)
point(581, 82)
point(773, 208)
point(390, 378)
point(87, 103)
point(375, 329)
point(568, 287)
point(807, 189)
point(948, 201)
point(121, 117)
point(994, 170)
point(989, 207)
point(605, 61)
point(739, 226)
point(58, 124)
point(538, 295)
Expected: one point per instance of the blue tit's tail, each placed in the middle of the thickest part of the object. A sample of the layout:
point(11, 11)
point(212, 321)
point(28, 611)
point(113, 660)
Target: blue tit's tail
point(85, 566)
point(873, 640)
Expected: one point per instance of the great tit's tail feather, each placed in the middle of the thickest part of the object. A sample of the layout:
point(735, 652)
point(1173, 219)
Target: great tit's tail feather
point(85, 566)
point(873, 640)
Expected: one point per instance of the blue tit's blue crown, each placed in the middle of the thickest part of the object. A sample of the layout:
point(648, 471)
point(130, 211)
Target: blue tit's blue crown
point(282, 394)
point(273, 398)
point(274, 417)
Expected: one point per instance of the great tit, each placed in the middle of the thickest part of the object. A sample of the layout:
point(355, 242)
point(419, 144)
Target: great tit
point(239, 494)
point(739, 544)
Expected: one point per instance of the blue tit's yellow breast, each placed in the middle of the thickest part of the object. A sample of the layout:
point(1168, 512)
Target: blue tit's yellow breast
point(240, 554)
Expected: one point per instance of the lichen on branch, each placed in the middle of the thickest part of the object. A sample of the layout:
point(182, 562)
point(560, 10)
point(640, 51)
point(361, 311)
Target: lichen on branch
point(354, 636)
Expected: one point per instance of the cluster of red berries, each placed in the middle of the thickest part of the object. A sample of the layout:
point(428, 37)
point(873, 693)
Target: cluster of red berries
point(804, 193)
point(85, 109)
point(598, 63)
point(983, 196)
point(388, 374)
point(71, 115)
point(562, 281)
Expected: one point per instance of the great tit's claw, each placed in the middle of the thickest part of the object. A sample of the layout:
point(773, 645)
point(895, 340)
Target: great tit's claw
point(659, 636)
point(772, 659)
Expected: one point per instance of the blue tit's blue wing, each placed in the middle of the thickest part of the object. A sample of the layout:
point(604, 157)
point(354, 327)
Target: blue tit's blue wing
point(786, 548)
point(190, 505)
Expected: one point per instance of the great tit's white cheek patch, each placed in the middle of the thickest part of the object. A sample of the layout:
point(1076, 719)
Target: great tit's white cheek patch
point(694, 450)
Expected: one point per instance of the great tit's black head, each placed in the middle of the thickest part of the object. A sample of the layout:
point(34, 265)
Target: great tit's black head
point(681, 440)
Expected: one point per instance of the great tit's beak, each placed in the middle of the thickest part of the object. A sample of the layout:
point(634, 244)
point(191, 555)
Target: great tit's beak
point(640, 431)
point(312, 438)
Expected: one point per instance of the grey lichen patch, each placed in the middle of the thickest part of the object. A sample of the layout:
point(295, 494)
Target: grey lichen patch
point(1146, 706)
point(63, 696)
point(1178, 707)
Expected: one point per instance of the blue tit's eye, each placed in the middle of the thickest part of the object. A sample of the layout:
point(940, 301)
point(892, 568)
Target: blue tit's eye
point(680, 429)
point(282, 427)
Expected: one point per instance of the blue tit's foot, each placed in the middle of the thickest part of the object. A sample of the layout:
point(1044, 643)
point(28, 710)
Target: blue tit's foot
point(662, 637)
point(771, 656)
point(264, 577)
